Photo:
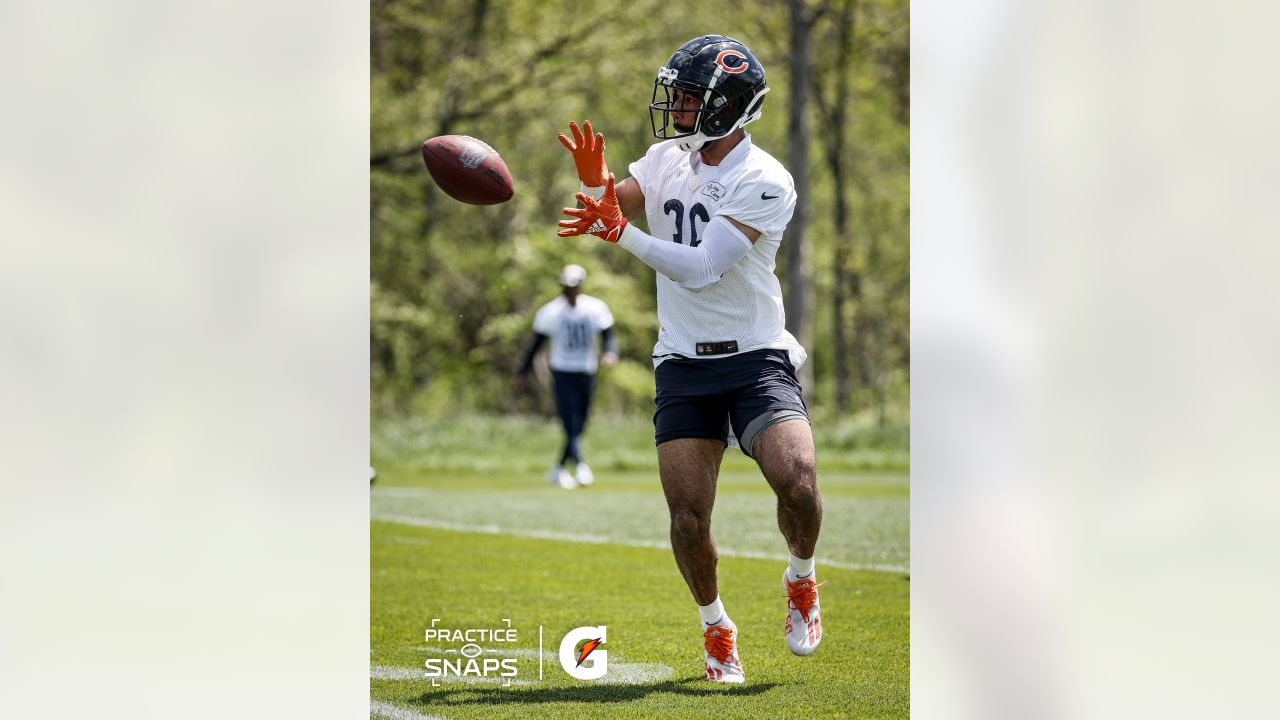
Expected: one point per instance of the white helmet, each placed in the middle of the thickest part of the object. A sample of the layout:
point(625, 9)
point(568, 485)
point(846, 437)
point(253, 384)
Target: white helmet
point(572, 275)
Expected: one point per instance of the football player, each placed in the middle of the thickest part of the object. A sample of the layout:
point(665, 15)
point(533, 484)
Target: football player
point(716, 207)
point(572, 321)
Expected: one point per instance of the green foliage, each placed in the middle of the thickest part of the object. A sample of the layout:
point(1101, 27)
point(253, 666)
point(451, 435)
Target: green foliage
point(454, 287)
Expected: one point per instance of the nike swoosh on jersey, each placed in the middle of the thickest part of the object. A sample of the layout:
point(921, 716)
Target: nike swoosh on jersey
point(764, 196)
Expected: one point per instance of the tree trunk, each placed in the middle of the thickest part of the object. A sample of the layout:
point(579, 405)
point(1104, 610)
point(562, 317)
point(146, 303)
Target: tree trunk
point(844, 286)
point(841, 287)
point(798, 291)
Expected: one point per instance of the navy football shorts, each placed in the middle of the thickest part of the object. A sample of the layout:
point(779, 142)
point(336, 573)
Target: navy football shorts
point(704, 398)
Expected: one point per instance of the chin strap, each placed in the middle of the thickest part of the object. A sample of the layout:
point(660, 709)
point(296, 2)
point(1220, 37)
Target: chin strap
point(694, 143)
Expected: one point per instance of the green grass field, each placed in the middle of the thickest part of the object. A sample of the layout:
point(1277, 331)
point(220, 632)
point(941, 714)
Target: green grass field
point(465, 529)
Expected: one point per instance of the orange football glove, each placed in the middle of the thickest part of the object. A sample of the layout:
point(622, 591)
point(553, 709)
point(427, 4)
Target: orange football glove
point(602, 218)
point(588, 154)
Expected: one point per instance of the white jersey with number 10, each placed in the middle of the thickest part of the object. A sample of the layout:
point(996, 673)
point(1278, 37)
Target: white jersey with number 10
point(573, 330)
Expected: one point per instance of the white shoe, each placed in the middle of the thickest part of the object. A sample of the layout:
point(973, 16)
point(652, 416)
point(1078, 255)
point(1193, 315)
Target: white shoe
point(585, 476)
point(559, 476)
point(804, 617)
point(720, 651)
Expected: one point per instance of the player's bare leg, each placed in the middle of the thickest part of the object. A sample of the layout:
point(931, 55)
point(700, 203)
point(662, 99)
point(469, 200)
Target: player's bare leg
point(689, 467)
point(786, 455)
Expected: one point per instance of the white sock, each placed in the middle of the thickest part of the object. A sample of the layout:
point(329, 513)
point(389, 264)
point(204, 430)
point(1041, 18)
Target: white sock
point(801, 568)
point(713, 614)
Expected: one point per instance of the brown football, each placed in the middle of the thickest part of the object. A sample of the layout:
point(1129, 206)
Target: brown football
point(468, 169)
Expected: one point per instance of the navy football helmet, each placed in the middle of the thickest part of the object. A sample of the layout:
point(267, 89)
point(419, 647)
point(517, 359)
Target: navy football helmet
point(721, 71)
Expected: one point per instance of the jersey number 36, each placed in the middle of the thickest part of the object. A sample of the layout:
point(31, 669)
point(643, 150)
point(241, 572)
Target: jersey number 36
point(695, 213)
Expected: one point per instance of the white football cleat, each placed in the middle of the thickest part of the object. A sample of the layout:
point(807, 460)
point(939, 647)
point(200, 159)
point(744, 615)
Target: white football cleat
point(559, 476)
point(720, 651)
point(804, 618)
point(585, 476)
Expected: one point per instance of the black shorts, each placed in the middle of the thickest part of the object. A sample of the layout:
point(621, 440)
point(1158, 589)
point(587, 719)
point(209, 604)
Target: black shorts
point(704, 398)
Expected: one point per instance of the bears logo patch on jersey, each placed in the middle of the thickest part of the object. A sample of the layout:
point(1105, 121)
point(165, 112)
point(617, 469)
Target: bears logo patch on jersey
point(713, 190)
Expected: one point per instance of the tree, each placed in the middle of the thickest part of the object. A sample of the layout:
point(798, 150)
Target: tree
point(846, 285)
point(453, 286)
point(798, 295)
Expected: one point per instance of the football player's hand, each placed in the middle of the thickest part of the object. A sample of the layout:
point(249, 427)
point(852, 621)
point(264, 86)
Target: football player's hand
point(588, 154)
point(601, 218)
point(608, 360)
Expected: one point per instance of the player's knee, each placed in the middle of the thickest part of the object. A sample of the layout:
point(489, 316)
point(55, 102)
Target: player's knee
point(801, 486)
point(801, 495)
point(689, 525)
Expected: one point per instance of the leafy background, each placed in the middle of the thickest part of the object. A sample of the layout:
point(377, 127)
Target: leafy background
point(454, 287)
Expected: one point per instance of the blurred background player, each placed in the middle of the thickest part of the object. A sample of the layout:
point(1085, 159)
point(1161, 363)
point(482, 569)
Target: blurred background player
point(717, 207)
point(572, 322)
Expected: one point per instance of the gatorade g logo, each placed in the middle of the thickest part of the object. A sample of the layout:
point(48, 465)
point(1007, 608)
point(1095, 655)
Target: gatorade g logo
point(587, 662)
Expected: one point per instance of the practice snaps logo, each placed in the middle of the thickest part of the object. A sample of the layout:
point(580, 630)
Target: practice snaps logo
point(490, 654)
point(581, 655)
point(501, 664)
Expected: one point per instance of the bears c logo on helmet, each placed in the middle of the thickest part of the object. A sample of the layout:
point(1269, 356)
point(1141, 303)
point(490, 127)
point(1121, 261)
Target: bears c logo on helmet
point(742, 61)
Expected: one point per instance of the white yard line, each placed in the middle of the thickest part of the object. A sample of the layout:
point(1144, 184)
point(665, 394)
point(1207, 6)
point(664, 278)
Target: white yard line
point(379, 709)
point(605, 540)
point(637, 673)
point(391, 672)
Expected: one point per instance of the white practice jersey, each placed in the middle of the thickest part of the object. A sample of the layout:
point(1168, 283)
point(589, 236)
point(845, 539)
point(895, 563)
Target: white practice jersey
point(573, 330)
point(744, 306)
